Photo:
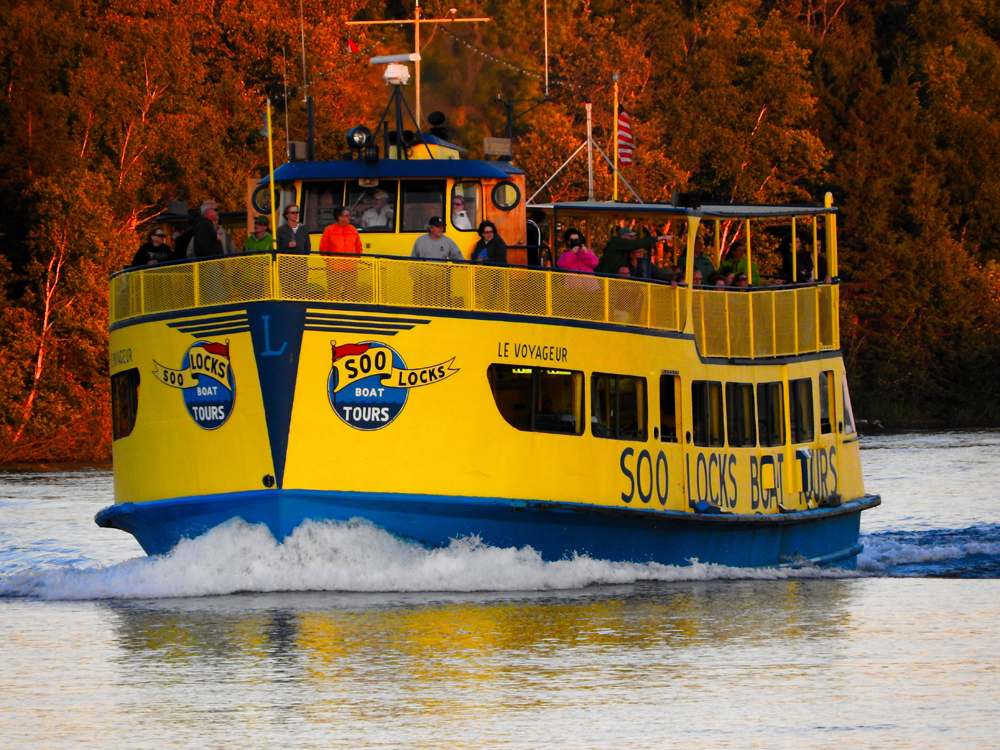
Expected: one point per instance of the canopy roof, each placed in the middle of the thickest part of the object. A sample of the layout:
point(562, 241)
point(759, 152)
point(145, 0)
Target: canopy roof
point(723, 211)
point(390, 169)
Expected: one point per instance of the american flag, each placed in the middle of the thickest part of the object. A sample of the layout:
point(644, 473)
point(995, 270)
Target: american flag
point(625, 143)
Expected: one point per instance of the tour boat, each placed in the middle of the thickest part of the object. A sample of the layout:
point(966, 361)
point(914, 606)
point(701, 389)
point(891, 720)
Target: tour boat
point(577, 414)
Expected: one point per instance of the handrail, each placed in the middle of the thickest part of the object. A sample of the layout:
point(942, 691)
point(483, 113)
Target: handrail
point(787, 320)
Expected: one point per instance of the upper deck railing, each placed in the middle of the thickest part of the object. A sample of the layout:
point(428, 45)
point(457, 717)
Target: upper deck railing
point(732, 323)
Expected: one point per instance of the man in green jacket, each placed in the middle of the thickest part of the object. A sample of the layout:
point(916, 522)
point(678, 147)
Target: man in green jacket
point(260, 241)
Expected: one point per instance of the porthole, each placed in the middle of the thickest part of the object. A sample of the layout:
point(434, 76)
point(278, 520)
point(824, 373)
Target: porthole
point(506, 195)
point(261, 199)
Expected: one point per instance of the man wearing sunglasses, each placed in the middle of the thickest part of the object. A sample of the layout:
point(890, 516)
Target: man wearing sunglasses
point(260, 241)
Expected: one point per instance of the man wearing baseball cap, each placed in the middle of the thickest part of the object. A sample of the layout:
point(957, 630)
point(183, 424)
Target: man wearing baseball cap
point(380, 215)
point(260, 241)
point(618, 251)
point(434, 244)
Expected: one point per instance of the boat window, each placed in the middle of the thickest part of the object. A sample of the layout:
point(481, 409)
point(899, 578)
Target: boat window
point(466, 202)
point(800, 410)
point(670, 386)
point(618, 407)
point(826, 401)
point(538, 399)
point(849, 427)
point(706, 413)
point(373, 209)
point(124, 402)
point(741, 416)
point(770, 414)
point(422, 199)
point(319, 203)
point(506, 195)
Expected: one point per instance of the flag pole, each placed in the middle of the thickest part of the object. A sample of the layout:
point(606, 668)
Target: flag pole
point(270, 158)
point(614, 143)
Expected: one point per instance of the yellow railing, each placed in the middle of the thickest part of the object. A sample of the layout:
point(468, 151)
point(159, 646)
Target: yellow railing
point(761, 323)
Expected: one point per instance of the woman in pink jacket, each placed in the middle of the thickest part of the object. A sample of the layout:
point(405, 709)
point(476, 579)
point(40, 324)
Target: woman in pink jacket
point(576, 257)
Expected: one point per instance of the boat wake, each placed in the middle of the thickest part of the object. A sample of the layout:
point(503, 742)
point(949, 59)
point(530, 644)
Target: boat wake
point(358, 557)
point(354, 556)
point(973, 552)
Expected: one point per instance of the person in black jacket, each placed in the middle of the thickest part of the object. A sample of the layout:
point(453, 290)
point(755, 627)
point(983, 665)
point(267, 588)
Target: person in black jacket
point(154, 250)
point(491, 248)
point(206, 239)
point(183, 241)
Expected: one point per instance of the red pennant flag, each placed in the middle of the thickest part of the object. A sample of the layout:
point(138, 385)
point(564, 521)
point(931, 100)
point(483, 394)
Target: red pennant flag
point(347, 350)
point(352, 45)
point(625, 143)
point(219, 350)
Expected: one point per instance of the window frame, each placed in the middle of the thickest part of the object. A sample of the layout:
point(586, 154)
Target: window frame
point(404, 207)
point(310, 193)
point(503, 185)
point(670, 383)
point(741, 416)
point(478, 213)
point(801, 412)
point(771, 397)
point(703, 435)
point(614, 431)
point(536, 395)
point(124, 402)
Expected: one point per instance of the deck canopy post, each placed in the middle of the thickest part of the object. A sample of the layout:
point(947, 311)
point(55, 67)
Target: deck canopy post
point(795, 255)
point(718, 244)
point(692, 234)
point(831, 237)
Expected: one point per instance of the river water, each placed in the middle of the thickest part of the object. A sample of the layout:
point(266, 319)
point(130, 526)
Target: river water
point(345, 637)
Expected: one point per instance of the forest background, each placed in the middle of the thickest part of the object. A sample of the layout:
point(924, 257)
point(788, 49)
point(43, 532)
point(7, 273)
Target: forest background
point(113, 108)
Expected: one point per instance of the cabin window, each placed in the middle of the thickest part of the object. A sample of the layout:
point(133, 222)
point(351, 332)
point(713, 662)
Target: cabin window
point(800, 410)
point(770, 414)
point(422, 199)
point(618, 407)
point(670, 386)
point(506, 195)
point(849, 426)
point(706, 412)
point(538, 399)
point(319, 203)
point(466, 201)
point(373, 209)
point(741, 421)
point(124, 402)
point(826, 382)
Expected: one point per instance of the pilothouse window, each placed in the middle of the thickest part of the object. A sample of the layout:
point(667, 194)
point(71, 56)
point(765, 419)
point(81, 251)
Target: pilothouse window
point(319, 203)
point(373, 209)
point(422, 199)
point(538, 399)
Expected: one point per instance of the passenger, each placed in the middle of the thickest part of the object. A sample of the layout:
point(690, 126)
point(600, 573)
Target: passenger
point(205, 239)
point(434, 244)
point(491, 248)
point(716, 279)
point(741, 280)
point(739, 251)
point(576, 257)
point(293, 237)
point(730, 278)
point(153, 251)
point(341, 237)
point(620, 247)
point(260, 240)
point(697, 277)
point(803, 261)
point(822, 274)
point(459, 216)
point(624, 271)
point(379, 215)
point(701, 261)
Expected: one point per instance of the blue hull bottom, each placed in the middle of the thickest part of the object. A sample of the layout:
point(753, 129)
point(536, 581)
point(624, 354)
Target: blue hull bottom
point(827, 536)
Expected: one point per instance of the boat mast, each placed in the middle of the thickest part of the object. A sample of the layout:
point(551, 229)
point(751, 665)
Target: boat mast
point(417, 20)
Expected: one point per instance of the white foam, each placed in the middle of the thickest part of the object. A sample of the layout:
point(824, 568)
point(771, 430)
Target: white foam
point(353, 556)
point(884, 553)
